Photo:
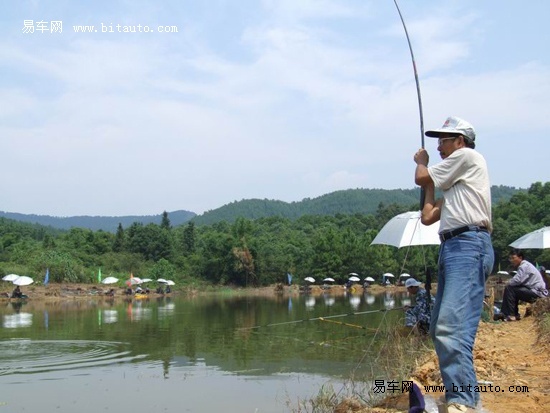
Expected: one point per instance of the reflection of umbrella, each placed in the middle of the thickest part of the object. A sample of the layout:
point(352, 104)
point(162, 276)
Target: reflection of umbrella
point(310, 279)
point(109, 280)
point(539, 239)
point(331, 280)
point(369, 279)
point(354, 279)
point(23, 280)
point(329, 301)
point(17, 320)
point(405, 230)
point(10, 277)
point(355, 302)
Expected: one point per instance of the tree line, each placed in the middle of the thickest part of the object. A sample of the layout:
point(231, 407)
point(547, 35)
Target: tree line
point(251, 252)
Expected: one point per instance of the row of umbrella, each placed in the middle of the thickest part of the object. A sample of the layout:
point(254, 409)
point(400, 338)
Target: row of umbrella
point(136, 281)
point(353, 278)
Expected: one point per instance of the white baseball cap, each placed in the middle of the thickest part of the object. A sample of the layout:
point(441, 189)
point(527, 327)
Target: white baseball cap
point(411, 282)
point(455, 125)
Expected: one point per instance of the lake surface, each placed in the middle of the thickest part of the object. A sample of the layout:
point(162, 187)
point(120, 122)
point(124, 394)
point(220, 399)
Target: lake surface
point(202, 354)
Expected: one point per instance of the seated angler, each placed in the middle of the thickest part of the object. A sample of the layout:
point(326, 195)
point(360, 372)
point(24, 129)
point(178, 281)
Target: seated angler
point(526, 285)
point(420, 315)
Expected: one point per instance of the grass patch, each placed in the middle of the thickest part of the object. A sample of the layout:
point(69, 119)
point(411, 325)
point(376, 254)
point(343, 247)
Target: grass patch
point(397, 353)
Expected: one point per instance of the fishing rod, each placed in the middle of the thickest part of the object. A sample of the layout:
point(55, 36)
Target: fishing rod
point(421, 115)
point(420, 111)
point(347, 324)
point(323, 318)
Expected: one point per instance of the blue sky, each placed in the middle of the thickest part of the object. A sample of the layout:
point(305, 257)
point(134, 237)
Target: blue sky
point(271, 99)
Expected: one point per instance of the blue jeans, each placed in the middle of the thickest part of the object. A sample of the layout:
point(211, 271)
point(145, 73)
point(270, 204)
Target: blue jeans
point(465, 263)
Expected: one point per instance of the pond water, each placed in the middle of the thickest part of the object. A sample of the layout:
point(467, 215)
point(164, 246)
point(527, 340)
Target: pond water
point(202, 354)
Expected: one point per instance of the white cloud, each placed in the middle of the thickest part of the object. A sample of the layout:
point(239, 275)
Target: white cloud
point(303, 99)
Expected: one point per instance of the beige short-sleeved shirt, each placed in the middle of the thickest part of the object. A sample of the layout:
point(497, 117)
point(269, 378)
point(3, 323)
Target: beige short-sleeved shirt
point(464, 179)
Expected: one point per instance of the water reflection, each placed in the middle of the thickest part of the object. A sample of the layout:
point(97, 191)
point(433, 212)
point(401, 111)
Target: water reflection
point(110, 316)
point(17, 320)
point(165, 307)
point(329, 300)
point(260, 345)
point(355, 302)
point(389, 300)
point(310, 302)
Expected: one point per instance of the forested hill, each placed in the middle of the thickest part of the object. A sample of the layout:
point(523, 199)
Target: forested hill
point(95, 223)
point(350, 201)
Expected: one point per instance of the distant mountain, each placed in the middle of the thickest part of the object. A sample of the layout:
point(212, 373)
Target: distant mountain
point(109, 224)
point(349, 201)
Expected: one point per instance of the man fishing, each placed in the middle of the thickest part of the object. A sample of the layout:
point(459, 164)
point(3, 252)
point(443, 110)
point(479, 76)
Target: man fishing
point(466, 254)
point(418, 316)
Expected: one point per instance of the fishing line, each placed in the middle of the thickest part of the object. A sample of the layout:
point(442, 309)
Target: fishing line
point(325, 318)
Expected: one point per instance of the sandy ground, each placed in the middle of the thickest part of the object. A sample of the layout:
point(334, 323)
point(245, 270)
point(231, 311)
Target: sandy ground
point(507, 355)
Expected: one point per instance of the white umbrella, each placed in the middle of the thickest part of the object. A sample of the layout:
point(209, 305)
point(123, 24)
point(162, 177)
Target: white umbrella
point(330, 280)
point(134, 281)
point(354, 273)
point(389, 275)
point(146, 280)
point(369, 279)
point(109, 280)
point(503, 273)
point(539, 239)
point(310, 279)
point(23, 280)
point(170, 282)
point(354, 279)
point(404, 275)
point(161, 280)
point(405, 230)
point(10, 277)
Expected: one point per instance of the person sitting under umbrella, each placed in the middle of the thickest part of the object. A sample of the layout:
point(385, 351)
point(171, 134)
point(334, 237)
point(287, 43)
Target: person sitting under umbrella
point(17, 293)
point(526, 285)
point(419, 316)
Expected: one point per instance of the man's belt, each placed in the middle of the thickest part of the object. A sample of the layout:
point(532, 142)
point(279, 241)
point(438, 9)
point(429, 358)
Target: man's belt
point(447, 235)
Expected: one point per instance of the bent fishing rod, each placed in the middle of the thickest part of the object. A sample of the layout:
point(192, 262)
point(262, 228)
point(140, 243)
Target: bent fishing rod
point(421, 115)
point(322, 318)
point(420, 111)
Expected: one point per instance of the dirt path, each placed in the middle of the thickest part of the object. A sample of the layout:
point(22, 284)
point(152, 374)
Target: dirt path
point(506, 355)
